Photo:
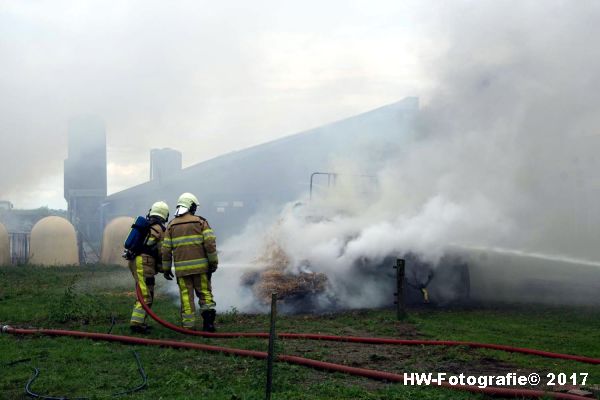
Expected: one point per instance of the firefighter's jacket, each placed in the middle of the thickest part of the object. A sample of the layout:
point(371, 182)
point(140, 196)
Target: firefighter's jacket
point(151, 258)
point(191, 244)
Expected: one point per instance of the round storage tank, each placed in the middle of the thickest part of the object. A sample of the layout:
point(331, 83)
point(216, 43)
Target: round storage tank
point(53, 242)
point(114, 236)
point(4, 246)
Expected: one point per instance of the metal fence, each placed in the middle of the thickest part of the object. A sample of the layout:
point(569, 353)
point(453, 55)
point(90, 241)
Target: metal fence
point(19, 247)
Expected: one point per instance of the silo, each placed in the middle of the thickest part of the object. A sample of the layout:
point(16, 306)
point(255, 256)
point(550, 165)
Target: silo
point(85, 177)
point(4, 246)
point(114, 236)
point(53, 242)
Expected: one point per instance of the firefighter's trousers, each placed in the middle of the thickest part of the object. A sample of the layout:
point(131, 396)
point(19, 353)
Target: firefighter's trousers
point(200, 284)
point(138, 315)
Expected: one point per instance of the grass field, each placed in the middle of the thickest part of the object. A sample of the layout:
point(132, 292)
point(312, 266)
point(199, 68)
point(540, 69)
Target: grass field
point(87, 298)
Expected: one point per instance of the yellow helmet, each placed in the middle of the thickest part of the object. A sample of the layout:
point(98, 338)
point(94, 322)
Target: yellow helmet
point(159, 209)
point(187, 200)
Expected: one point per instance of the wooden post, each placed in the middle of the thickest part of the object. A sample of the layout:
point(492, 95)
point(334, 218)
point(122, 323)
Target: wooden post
point(271, 353)
point(400, 306)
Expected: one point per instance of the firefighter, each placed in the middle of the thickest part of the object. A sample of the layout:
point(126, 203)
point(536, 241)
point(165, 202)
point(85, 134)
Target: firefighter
point(190, 244)
point(148, 263)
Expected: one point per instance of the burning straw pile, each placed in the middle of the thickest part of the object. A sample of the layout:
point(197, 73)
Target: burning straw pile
point(274, 277)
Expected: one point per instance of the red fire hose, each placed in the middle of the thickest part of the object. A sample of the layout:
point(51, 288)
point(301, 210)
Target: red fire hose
point(368, 373)
point(369, 340)
point(373, 374)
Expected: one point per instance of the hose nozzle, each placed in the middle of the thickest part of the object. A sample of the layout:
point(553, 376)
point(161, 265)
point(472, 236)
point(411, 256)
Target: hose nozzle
point(5, 328)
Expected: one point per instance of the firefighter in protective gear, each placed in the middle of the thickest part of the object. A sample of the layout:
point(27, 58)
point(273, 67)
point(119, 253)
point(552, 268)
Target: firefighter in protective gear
point(190, 244)
point(148, 263)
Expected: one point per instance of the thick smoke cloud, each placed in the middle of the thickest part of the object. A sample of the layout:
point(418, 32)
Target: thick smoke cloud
point(516, 122)
point(504, 153)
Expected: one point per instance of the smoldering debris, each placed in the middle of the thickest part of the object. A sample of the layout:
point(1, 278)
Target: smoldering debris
point(288, 287)
point(274, 275)
point(304, 278)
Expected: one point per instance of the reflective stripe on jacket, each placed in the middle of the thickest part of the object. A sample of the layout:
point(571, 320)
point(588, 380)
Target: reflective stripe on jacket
point(190, 244)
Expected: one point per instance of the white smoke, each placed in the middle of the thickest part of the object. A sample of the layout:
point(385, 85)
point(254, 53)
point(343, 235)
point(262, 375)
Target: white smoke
point(504, 154)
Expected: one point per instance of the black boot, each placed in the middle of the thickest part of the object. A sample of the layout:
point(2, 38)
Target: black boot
point(143, 329)
point(209, 320)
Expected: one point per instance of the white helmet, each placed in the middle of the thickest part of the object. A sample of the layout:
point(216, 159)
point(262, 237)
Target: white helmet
point(159, 209)
point(186, 202)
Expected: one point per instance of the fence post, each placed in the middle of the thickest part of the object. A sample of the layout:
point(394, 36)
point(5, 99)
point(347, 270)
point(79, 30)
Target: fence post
point(271, 353)
point(400, 306)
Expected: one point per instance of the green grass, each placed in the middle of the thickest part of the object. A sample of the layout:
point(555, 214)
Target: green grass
point(86, 298)
point(556, 329)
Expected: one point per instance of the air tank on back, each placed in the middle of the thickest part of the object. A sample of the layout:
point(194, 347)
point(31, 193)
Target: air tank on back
point(4, 246)
point(114, 236)
point(53, 243)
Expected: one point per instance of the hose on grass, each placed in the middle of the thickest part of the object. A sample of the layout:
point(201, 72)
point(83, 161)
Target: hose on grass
point(36, 373)
point(321, 365)
point(368, 340)
point(372, 374)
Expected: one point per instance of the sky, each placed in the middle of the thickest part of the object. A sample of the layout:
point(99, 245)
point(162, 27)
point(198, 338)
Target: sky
point(202, 77)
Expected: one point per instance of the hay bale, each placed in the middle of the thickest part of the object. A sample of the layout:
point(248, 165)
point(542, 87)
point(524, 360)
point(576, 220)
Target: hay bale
point(275, 276)
point(288, 285)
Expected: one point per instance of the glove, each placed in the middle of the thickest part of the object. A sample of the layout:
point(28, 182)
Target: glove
point(212, 268)
point(168, 275)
